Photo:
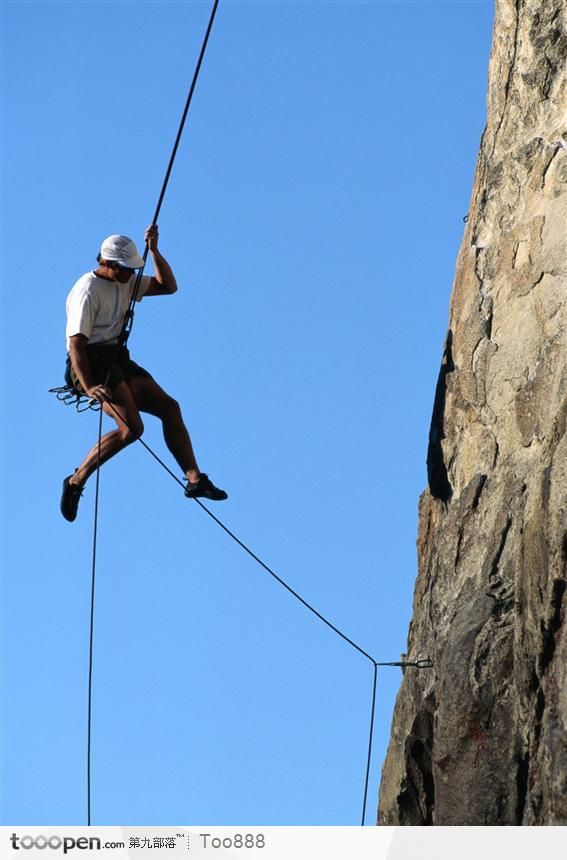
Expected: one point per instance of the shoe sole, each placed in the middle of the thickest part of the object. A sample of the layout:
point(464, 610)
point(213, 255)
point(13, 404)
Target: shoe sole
point(222, 498)
point(66, 515)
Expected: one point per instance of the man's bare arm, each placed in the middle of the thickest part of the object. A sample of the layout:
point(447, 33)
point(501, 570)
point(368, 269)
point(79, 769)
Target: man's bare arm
point(82, 367)
point(163, 283)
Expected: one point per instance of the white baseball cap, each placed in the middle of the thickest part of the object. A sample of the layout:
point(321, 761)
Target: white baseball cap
point(121, 250)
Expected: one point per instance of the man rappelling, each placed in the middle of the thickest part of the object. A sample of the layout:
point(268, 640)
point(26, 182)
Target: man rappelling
point(99, 365)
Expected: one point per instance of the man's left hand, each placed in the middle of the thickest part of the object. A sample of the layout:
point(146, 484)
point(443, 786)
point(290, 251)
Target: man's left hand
point(151, 238)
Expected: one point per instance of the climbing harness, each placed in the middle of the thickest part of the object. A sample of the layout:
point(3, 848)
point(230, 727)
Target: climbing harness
point(70, 396)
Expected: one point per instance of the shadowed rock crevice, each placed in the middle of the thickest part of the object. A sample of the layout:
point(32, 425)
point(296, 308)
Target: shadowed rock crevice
point(522, 776)
point(437, 474)
point(417, 798)
point(482, 738)
point(550, 630)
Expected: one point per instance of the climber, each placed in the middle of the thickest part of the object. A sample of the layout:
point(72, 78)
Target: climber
point(98, 367)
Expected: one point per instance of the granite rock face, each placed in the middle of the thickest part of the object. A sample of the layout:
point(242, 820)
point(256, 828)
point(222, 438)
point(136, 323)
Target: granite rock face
point(481, 739)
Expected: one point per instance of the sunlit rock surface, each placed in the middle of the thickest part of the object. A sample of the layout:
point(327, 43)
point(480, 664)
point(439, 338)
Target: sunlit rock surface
point(482, 738)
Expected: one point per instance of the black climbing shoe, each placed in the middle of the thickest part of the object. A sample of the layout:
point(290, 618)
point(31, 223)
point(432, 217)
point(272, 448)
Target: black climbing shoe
point(70, 498)
point(204, 488)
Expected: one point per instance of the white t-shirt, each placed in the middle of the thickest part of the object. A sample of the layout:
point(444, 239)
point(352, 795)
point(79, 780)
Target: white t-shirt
point(96, 307)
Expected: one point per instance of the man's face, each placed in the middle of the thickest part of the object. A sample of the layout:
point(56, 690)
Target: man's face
point(122, 274)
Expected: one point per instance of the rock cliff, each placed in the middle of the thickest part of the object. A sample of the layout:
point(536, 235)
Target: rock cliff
point(481, 738)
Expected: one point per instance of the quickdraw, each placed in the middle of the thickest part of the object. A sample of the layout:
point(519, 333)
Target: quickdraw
point(69, 396)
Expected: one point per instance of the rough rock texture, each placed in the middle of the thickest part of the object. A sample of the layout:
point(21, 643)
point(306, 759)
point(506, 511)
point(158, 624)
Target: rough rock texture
point(482, 737)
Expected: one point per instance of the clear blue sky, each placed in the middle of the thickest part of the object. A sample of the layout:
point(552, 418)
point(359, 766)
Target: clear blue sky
point(313, 221)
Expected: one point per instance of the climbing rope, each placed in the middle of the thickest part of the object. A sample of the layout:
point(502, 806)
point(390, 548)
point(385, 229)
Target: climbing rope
point(425, 663)
point(70, 396)
point(129, 318)
point(91, 638)
point(371, 735)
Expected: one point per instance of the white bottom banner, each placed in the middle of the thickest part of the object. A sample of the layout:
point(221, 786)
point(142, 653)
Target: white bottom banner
point(283, 843)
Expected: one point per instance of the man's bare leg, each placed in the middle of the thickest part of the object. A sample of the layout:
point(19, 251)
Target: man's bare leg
point(150, 397)
point(129, 428)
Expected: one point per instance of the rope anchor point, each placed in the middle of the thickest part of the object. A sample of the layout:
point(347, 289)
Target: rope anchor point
point(422, 663)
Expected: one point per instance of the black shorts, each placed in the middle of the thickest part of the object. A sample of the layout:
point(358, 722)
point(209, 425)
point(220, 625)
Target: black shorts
point(102, 359)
